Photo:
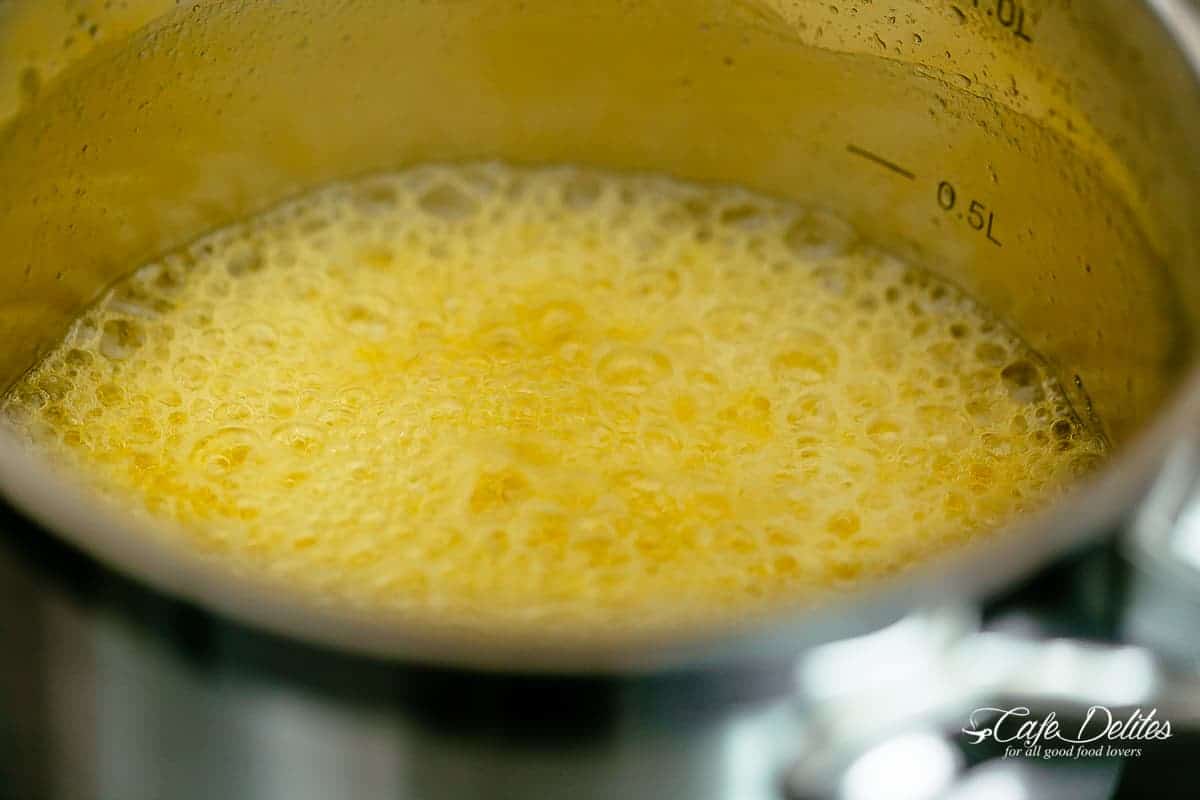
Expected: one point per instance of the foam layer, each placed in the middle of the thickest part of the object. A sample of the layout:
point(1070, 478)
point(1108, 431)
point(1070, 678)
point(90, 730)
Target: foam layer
point(514, 396)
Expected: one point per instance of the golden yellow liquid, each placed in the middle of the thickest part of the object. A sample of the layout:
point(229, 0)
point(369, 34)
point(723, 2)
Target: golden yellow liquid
point(508, 396)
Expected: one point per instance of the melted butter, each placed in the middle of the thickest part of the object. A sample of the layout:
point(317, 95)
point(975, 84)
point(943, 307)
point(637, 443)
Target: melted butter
point(506, 396)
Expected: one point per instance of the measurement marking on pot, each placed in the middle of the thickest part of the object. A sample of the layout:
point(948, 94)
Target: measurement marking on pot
point(977, 215)
point(881, 161)
point(1009, 14)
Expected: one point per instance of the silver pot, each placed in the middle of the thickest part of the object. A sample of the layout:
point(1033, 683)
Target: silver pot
point(1040, 153)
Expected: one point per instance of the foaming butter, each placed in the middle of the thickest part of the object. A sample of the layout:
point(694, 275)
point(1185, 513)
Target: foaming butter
point(504, 396)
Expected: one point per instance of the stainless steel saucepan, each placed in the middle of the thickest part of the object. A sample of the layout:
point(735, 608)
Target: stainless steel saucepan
point(1043, 154)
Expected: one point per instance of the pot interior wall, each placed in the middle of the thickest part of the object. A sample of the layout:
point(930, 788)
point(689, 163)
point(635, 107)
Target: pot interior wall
point(1033, 152)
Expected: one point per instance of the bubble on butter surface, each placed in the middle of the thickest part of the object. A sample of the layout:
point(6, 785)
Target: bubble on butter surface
point(484, 394)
